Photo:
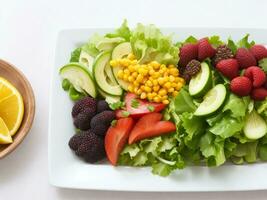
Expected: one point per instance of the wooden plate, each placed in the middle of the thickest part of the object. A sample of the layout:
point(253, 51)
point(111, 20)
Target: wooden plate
point(14, 76)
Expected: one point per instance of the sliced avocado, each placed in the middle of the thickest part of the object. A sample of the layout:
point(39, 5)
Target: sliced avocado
point(109, 98)
point(101, 61)
point(79, 76)
point(108, 44)
point(87, 60)
point(120, 51)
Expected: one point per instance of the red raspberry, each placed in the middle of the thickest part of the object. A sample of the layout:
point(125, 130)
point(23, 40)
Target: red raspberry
point(259, 94)
point(256, 75)
point(244, 58)
point(228, 67)
point(259, 51)
point(188, 52)
point(241, 86)
point(205, 50)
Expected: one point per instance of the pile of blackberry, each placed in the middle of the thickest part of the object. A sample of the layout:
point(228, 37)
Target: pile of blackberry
point(93, 119)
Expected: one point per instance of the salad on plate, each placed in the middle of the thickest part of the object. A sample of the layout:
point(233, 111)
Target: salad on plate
point(142, 99)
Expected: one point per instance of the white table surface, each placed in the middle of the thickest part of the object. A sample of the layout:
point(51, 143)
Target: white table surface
point(28, 31)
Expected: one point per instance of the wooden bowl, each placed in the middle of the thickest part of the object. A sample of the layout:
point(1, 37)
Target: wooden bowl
point(15, 77)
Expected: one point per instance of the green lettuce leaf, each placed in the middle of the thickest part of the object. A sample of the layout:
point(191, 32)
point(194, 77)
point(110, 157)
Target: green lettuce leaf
point(183, 102)
point(231, 44)
point(123, 32)
point(245, 43)
point(215, 41)
point(90, 47)
point(75, 55)
point(263, 64)
point(212, 150)
point(236, 105)
point(148, 43)
point(227, 127)
point(191, 40)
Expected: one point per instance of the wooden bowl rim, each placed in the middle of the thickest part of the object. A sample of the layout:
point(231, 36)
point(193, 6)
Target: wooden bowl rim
point(23, 131)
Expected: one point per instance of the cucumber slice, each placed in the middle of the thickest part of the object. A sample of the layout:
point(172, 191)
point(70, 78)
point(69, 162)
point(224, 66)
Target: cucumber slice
point(118, 52)
point(200, 84)
point(79, 77)
point(101, 61)
point(212, 101)
point(255, 126)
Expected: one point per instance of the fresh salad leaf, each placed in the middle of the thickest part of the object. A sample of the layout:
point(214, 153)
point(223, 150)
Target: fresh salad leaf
point(75, 55)
point(124, 32)
point(215, 41)
point(183, 102)
point(148, 43)
point(191, 39)
point(231, 44)
point(213, 151)
point(263, 152)
point(245, 43)
point(227, 127)
point(237, 105)
point(90, 47)
point(263, 64)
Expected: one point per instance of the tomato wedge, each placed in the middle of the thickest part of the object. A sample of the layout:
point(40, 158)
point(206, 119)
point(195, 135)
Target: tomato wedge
point(116, 138)
point(137, 108)
point(150, 126)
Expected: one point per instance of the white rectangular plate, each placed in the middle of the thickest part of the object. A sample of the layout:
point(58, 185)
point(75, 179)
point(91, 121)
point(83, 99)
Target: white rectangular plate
point(66, 170)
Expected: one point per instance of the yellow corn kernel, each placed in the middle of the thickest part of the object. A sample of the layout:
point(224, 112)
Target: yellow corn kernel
point(144, 80)
point(155, 82)
point(149, 83)
point(131, 68)
point(174, 84)
point(171, 90)
point(164, 97)
point(142, 87)
point(113, 63)
point(126, 71)
point(179, 86)
point(131, 56)
point(130, 79)
point(171, 78)
point(162, 92)
point(134, 74)
point(131, 88)
point(166, 79)
point(156, 75)
point(177, 79)
point(151, 72)
point(143, 95)
point(161, 81)
point(174, 71)
point(139, 78)
point(134, 62)
point(155, 64)
point(165, 102)
point(157, 99)
point(139, 92)
point(156, 88)
point(136, 83)
point(166, 73)
point(167, 85)
point(147, 89)
point(163, 67)
point(149, 67)
point(125, 77)
point(171, 66)
point(149, 96)
point(135, 89)
point(143, 71)
point(120, 74)
point(175, 93)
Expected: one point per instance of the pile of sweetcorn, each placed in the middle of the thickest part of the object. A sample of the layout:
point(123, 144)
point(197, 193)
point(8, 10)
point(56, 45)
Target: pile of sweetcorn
point(152, 81)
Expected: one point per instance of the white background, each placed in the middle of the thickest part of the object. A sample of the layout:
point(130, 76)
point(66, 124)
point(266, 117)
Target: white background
point(28, 31)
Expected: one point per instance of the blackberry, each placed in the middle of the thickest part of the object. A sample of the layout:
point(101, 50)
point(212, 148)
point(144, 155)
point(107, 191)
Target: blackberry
point(82, 120)
point(192, 68)
point(222, 52)
point(92, 148)
point(100, 129)
point(102, 105)
point(86, 103)
point(104, 118)
point(76, 140)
